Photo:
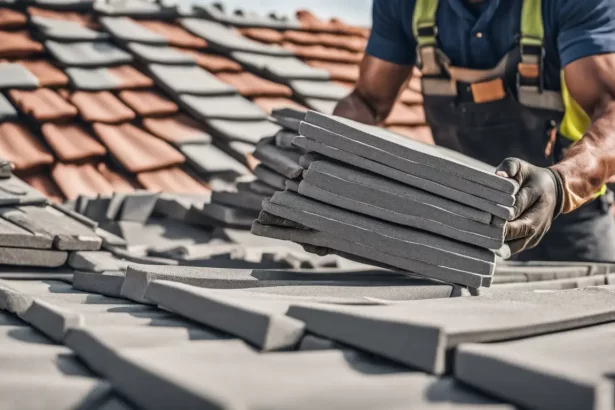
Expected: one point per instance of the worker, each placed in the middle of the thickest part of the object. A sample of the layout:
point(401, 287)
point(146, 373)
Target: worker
point(528, 85)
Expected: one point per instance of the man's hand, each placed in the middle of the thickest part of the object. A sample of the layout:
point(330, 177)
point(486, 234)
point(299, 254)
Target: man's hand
point(537, 203)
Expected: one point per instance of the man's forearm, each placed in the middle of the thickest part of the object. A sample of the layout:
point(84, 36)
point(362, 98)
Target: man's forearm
point(356, 108)
point(590, 162)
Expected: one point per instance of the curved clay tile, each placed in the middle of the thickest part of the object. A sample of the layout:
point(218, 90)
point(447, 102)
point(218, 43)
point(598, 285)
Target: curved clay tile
point(175, 35)
point(173, 180)
point(312, 23)
point(135, 149)
point(48, 75)
point(101, 106)
point(301, 37)
point(11, 19)
point(268, 104)
point(318, 52)
point(213, 62)
point(250, 85)
point(337, 71)
point(75, 180)
point(43, 104)
point(352, 43)
point(178, 129)
point(119, 182)
point(18, 44)
point(24, 150)
point(59, 15)
point(130, 77)
point(147, 103)
point(264, 35)
point(45, 185)
point(71, 142)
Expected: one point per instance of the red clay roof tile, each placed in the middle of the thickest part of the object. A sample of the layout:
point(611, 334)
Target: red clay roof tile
point(352, 43)
point(318, 52)
point(71, 142)
point(403, 114)
point(268, 104)
point(43, 104)
point(18, 44)
point(101, 106)
point(171, 180)
point(135, 149)
point(175, 35)
point(64, 93)
point(48, 75)
point(60, 15)
point(11, 19)
point(301, 37)
point(250, 85)
point(177, 129)
point(130, 77)
point(264, 35)
point(24, 150)
point(418, 133)
point(310, 22)
point(45, 185)
point(337, 71)
point(213, 62)
point(75, 180)
point(119, 182)
point(147, 103)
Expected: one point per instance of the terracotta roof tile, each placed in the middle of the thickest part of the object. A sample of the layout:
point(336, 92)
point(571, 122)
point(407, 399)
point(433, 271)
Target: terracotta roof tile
point(135, 149)
point(345, 84)
point(312, 23)
point(175, 35)
point(147, 103)
point(43, 104)
point(177, 129)
point(101, 106)
point(48, 75)
point(130, 77)
point(268, 104)
point(212, 62)
point(60, 15)
point(250, 85)
point(301, 37)
point(64, 93)
point(402, 114)
point(411, 97)
point(75, 180)
point(349, 29)
point(45, 185)
point(18, 44)
point(11, 19)
point(24, 150)
point(264, 35)
point(337, 71)
point(171, 180)
point(318, 52)
point(352, 43)
point(71, 142)
point(418, 133)
point(119, 182)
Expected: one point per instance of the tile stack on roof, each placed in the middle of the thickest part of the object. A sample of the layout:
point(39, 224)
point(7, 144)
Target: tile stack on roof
point(373, 194)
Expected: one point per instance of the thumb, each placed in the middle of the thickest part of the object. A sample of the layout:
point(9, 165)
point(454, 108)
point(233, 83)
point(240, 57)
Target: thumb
point(508, 168)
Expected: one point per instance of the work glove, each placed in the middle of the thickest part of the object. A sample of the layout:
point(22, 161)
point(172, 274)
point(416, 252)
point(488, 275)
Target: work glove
point(538, 202)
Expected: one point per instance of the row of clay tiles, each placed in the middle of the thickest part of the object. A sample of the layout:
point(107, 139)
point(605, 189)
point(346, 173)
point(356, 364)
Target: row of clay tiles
point(71, 142)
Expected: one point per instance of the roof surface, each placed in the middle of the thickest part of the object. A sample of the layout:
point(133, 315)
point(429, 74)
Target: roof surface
point(139, 143)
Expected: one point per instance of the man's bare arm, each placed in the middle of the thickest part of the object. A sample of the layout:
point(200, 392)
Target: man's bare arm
point(590, 162)
point(376, 91)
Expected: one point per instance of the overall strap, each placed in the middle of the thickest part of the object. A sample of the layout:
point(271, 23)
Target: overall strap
point(425, 31)
point(530, 79)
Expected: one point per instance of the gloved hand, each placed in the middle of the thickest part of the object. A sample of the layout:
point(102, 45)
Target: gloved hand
point(537, 204)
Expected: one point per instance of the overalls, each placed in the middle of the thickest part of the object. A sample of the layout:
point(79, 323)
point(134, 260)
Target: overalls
point(506, 112)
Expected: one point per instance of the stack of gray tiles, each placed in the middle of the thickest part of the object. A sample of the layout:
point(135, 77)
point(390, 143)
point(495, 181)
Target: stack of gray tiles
point(370, 194)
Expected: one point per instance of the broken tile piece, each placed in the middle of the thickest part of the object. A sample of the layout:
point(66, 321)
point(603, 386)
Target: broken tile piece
point(137, 150)
point(95, 261)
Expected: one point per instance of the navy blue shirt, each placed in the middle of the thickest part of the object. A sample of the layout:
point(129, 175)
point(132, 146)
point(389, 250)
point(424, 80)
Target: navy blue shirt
point(573, 29)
